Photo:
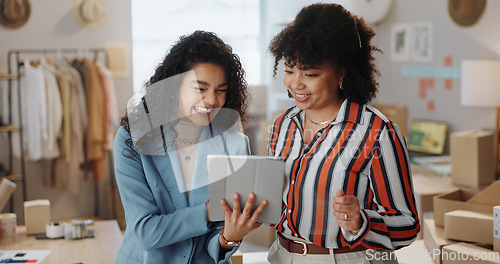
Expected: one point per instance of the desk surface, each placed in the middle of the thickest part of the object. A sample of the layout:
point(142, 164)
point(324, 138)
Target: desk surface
point(427, 182)
point(101, 249)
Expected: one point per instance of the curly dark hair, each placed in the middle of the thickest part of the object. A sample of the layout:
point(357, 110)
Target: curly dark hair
point(189, 50)
point(328, 32)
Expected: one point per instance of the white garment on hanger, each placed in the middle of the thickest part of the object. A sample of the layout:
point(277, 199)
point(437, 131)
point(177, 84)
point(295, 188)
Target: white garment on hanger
point(54, 112)
point(34, 113)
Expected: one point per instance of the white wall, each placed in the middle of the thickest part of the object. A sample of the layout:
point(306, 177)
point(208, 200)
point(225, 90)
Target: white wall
point(277, 13)
point(51, 25)
point(480, 41)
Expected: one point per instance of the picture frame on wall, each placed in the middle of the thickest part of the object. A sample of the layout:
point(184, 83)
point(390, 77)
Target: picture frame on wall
point(400, 42)
point(421, 42)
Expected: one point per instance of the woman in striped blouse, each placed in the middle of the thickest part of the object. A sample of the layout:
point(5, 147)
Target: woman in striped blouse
point(348, 195)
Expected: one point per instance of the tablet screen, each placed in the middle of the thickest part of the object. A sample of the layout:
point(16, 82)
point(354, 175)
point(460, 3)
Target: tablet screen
point(261, 175)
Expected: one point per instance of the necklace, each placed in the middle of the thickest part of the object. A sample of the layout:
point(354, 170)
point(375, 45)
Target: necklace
point(322, 123)
point(191, 134)
point(187, 156)
point(185, 141)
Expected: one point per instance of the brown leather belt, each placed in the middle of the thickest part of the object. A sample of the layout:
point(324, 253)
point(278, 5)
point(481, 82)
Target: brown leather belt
point(301, 248)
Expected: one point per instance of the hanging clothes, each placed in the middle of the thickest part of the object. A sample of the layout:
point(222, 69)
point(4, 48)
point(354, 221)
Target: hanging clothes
point(54, 112)
point(77, 72)
point(67, 173)
point(65, 92)
point(69, 116)
point(111, 106)
point(33, 113)
point(78, 109)
point(97, 128)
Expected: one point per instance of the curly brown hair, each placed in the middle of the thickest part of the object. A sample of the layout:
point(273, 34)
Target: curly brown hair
point(189, 50)
point(328, 32)
point(204, 47)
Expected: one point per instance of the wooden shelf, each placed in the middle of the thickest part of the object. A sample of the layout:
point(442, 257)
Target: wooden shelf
point(6, 76)
point(14, 177)
point(9, 128)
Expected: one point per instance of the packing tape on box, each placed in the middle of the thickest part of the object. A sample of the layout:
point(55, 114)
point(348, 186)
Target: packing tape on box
point(54, 230)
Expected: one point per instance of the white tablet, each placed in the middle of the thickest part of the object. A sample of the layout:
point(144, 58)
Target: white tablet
point(261, 175)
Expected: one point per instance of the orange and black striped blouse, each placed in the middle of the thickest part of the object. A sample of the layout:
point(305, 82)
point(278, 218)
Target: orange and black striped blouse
point(360, 152)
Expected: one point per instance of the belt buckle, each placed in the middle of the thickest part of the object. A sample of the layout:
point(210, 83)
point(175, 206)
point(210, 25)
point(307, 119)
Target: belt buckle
point(304, 245)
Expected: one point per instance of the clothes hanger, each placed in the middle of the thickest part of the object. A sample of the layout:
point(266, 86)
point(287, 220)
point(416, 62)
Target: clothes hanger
point(35, 61)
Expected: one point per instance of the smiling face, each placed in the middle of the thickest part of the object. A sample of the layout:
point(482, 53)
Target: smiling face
point(202, 93)
point(314, 88)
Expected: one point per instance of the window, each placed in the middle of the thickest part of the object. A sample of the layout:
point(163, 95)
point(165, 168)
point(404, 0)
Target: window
point(158, 24)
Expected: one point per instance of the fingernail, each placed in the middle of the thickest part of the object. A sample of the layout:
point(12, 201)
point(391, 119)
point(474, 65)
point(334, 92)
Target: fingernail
point(221, 201)
point(265, 202)
point(235, 196)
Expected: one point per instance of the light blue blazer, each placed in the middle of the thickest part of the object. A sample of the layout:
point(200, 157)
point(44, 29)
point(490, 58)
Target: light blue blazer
point(163, 225)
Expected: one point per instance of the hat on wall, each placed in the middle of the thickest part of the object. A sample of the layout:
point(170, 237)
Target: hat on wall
point(89, 13)
point(466, 12)
point(14, 13)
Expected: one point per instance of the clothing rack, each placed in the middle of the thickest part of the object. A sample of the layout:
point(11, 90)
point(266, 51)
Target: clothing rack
point(14, 62)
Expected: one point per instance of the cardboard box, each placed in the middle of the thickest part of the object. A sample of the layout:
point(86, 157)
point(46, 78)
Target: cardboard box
point(468, 253)
point(434, 239)
point(237, 257)
point(488, 196)
point(426, 185)
point(472, 158)
point(263, 137)
point(457, 200)
point(36, 216)
point(257, 104)
point(262, 236)
point(496, 228)
point(424, 206)
point(469, 226)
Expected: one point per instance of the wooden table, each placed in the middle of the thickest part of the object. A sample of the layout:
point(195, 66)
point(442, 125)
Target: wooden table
point(101, 249)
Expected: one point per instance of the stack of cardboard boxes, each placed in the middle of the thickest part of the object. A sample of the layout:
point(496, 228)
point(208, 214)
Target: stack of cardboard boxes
point(462, 230)
point(466, 217)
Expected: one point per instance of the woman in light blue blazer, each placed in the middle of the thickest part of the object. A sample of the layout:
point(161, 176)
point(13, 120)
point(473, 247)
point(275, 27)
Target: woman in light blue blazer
point(191, 107)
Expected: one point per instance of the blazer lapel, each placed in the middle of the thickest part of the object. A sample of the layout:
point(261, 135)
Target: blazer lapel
point(170, 171)
point(169, 167)
point(199, 183)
